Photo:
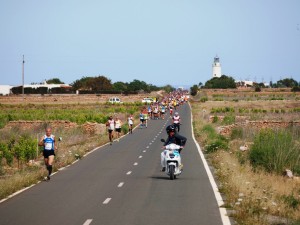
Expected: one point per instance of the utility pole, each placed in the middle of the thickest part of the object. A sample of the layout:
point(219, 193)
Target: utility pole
point(23, 77)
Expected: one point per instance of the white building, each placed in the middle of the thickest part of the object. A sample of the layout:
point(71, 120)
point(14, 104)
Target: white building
point(5, 89)
point(44, 84)
point(216, 68)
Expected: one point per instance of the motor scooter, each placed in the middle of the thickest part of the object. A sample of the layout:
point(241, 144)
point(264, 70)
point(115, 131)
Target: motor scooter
point(171, 159)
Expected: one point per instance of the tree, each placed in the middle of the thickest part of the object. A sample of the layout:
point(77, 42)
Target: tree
point(168, 88)
point(222, 82)
point(54, 81)
point(94, 84)
point(137, 85)
point(287, 82)
point(100, 83)
point(120, 86)
point(81, 83)
point(194, 90)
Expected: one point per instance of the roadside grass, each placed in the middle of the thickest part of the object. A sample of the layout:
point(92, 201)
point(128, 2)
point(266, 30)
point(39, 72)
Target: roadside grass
point(253, 194)
point(275, 151)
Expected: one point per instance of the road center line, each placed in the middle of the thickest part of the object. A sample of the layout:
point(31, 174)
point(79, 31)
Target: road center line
point(106, 201)
point(121, 184)
point(135, 164)
point(140, 157)
point(144, 151)
point(129, 172)
point(87, 222)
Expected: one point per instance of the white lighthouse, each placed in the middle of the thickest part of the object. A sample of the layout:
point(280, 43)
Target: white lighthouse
point(216, 67)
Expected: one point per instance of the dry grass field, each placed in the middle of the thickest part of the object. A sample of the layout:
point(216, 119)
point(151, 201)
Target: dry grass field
point(250, 161)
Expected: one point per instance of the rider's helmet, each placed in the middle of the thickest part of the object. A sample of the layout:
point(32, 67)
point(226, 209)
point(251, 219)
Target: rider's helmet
point(176, 113)
point(170, 128)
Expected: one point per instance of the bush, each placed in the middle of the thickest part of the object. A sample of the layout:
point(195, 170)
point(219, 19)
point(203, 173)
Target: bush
point(257, 89)
point(215, 119)
point(204, 99)
point(210, 131)
point(275, 151)
point(216, 145)
point(124, 128)
point(228, 120)
point(295, 89)
point(236, 133)
point(25, 149)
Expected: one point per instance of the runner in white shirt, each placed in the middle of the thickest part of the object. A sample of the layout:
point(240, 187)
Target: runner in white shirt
point(118, 125)
point(110, 124)
point(176, 121)
point(130, 123)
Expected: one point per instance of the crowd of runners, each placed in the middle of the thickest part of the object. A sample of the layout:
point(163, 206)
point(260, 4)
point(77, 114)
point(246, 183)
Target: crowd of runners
point(159, 109)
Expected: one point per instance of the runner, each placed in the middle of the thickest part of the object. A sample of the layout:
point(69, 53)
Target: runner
point(48, 142)
point(142, 119)
point(163, 111)
point(118, 125)
point(176, 121)
point(110, 124)
point(130, 124)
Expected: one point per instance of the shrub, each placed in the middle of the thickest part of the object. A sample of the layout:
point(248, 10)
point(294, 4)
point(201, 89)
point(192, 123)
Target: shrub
point(291, 201)
point(236, 133)
point(203, 99)
point(25, 149)
point(215, 119)
point(275, 151)
point(210, 131)
point(257, 89)
point(217, 144)
point(124, 128)
point(228, 120)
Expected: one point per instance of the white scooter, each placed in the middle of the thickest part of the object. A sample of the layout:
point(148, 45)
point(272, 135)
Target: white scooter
point(171, 160)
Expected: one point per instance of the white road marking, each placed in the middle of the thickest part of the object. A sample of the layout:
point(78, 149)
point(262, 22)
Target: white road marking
point(147, 147)
point(135, 164)
point(106, 201)
point(150, 143)
point(144, 151)
point(129, 172)
point(121, 184)
point(140, 157)
point(87, 222)
point(213, 184)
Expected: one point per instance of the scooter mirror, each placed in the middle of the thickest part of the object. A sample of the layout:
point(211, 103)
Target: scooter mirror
point(162, 140)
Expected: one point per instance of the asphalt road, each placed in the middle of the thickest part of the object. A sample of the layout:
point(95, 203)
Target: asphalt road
point(122, 184)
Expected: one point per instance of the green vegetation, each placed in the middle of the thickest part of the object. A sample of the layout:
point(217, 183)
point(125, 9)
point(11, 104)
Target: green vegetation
point(275, 151)
point(72, 112)
point(223, 82)
point(215, 141)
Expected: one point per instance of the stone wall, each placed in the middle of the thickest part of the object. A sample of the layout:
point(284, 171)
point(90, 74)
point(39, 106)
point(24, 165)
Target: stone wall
point(91, 128)
point(226, 130)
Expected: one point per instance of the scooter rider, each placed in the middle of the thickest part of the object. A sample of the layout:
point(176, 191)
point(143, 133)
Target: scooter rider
point(174, 138)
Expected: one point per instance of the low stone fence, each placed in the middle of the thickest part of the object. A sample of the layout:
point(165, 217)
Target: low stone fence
point(91, 128)
point(226, 130)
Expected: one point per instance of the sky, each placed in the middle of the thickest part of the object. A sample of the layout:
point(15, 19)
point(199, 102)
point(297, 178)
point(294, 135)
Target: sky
point(159, 41)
